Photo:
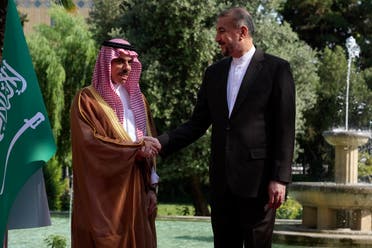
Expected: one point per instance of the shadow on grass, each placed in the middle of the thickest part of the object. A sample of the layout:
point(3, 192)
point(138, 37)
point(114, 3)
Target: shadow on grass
point(196, 238)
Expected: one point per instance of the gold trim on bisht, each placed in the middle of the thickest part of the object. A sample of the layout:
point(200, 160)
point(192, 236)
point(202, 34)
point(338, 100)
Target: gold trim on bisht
point(111, 116)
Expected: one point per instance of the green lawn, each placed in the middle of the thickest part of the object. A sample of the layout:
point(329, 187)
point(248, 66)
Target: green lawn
point(172, 230)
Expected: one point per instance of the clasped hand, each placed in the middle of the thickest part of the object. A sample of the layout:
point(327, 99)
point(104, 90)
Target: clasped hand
point(150, 148)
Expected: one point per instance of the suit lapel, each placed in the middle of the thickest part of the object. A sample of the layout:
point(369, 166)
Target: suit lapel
point(222, 85)
point(252, 71)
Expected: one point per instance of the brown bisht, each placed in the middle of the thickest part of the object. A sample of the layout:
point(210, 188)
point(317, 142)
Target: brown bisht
point(110, 184)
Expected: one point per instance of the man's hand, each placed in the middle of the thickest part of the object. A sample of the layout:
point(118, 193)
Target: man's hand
point(276, 194)
point(150, 148)
point(151, 202)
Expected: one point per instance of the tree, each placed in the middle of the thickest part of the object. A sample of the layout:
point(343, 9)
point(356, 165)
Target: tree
point(69, 5)
point(360, 100)
point(328, 23)
point(332, 72)
point(103, 18)
point(63, 57)
point(367, 74)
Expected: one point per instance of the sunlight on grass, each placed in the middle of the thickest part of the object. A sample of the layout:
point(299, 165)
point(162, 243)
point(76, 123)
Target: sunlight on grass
point(175, 209)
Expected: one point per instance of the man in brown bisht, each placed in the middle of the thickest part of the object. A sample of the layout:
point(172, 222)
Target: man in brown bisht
point(113, 154)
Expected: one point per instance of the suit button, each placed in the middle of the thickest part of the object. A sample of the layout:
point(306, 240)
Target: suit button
point(228, 128)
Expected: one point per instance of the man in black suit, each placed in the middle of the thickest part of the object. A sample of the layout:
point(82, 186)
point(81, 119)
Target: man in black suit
point(249, 99)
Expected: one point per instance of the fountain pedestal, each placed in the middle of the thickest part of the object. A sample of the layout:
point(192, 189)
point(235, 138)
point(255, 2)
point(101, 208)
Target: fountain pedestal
point(343, 204)
point(346, 145)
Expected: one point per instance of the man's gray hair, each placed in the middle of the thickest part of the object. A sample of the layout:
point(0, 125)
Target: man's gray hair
point(240, 17)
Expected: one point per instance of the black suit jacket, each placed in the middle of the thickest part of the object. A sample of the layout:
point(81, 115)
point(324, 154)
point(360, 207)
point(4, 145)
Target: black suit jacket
point(255, 144)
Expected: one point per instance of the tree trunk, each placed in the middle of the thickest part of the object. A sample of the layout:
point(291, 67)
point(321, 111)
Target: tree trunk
point(200, 203)
point(3, 5)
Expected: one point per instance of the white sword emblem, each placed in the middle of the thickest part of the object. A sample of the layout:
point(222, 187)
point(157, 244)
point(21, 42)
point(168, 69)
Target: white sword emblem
point(32, 123)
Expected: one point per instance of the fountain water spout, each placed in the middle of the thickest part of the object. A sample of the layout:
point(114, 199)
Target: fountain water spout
point(353, 51)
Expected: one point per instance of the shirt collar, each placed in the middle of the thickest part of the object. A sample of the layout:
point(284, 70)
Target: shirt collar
point(117, 87)
point(246, 58)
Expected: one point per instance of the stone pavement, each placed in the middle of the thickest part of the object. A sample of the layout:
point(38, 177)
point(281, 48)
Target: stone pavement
point(291, 232)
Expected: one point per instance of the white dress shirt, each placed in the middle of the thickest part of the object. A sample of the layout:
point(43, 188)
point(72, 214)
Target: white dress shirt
point(236, 73)
point(129, 122)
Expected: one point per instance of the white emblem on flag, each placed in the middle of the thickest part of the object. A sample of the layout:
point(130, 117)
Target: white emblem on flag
point(32, 123)
point(11, 83)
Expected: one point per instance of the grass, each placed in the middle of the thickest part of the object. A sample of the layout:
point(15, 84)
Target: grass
point(291, 209)
point(172, 209)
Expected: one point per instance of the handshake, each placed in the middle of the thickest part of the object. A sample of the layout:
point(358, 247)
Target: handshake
point(150, 147)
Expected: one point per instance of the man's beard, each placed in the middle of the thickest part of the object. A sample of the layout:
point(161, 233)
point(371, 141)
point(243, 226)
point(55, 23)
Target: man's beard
point(227, 50)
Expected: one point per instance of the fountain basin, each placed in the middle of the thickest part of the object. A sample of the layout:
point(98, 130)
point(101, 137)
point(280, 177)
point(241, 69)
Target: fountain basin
point(332, 195)
point(331, 206)
point(346, 144)
point(346, 137)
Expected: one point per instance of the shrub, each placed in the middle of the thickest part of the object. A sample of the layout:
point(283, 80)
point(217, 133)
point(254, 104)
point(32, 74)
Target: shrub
point(290, 209)
point(56, 241)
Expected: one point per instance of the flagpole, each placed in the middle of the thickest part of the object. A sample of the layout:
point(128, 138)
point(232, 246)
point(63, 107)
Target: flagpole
point(5, 245)
point(3, 5)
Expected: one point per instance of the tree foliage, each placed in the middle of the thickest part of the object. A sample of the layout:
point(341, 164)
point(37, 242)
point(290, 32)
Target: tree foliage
point(324, 23)
point(63, 57)
point(103, 18)
point(69, 5)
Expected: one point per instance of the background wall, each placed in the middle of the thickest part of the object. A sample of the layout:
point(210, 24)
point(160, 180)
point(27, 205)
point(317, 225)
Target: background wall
point(37, 11)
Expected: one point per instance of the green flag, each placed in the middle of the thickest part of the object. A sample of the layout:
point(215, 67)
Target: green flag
point(26, 138)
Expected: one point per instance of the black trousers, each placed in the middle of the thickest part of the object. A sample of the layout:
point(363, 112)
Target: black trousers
point(237, 221)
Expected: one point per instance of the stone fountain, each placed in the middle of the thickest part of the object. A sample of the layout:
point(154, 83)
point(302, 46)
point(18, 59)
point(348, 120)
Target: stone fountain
point(339, 213)
point(343, 204)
